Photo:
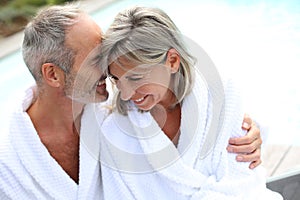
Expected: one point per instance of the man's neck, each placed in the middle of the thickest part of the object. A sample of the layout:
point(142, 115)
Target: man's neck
point(58, 126)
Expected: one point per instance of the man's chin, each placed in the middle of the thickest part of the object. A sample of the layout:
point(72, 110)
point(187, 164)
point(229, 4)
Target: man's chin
point(101, 97)
point(88, 98)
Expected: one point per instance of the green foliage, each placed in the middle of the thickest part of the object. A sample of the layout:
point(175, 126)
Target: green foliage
point(8, 14)
point(14, 10)
point(3, 2)
point(23, 3)
point(53, 2)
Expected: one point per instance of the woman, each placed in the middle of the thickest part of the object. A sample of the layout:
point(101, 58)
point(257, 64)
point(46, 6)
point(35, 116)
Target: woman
point(168, 139)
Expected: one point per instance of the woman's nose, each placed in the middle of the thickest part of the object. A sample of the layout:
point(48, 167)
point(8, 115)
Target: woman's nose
point(126, 90)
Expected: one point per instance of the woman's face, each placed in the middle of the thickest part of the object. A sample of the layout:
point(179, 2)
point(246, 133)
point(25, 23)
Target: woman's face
point(145, 85)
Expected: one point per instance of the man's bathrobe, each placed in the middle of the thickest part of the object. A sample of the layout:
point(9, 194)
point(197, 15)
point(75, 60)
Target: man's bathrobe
point(138, 161)
point(27, 170)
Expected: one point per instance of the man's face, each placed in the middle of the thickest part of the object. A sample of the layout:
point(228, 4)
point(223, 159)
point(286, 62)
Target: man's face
point(85, 82)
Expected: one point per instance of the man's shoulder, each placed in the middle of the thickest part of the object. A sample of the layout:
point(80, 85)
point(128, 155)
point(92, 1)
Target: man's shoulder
point(9, 161)
point(9, 158)
point(6, 149)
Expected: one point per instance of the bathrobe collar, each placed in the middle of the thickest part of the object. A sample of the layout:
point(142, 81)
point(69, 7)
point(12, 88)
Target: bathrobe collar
point(41, 165)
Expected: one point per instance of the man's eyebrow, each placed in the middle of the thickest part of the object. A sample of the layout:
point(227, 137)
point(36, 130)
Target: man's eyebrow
point(112, 76)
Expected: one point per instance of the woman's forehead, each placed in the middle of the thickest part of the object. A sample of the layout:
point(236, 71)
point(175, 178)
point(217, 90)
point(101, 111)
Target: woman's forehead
point(126, 64)
point(130, 69)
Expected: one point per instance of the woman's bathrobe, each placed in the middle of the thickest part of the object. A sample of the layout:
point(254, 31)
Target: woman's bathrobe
point(27, 170)
point(138, 161)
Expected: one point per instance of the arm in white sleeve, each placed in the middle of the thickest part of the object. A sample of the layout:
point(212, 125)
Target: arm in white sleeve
point(230, 179)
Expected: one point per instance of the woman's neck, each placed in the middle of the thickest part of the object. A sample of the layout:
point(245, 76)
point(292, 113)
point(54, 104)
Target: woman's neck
point(168, 120)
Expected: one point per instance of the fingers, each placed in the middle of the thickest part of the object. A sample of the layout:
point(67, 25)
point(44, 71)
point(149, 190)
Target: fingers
point(245, 147)
point(252, 135)
point(255, 164)
point(254, 158)
point(247, 122)
point(248, 146)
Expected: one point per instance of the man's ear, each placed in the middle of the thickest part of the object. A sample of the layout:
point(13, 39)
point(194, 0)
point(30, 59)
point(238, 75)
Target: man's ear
point(173, 60)
point(52, 74)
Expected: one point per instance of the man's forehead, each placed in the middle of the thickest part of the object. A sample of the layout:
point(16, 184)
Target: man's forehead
point(84, 33)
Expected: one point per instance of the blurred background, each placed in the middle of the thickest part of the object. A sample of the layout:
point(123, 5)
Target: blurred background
point(257, 42)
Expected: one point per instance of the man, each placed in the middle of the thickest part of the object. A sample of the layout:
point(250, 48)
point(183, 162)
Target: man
point(42, 156)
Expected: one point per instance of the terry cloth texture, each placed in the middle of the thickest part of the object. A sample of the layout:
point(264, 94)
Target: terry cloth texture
point(29, 172)
point(140, 162)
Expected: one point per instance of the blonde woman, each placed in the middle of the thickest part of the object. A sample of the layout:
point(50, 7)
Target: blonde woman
point(174, 118)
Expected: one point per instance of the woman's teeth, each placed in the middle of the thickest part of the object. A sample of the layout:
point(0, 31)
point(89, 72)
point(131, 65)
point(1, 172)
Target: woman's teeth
point(139, 100)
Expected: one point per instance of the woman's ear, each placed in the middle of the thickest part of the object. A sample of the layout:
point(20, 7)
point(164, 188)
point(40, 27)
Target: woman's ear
point(173, 60)
point(53, 75)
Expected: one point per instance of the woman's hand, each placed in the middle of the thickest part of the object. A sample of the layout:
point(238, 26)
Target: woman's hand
point(247, 147)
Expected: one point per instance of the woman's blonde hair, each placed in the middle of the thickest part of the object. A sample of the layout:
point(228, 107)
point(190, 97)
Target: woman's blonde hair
point(144, 35)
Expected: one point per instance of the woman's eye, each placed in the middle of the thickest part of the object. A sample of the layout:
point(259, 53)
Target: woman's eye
point(134, 78)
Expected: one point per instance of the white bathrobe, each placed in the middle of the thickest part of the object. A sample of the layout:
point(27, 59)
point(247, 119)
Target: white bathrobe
point(138, 161)
point(27, 170)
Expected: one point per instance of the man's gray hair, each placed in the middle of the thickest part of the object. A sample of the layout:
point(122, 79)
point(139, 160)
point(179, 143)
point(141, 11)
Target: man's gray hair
point(44, 39)
point(144, 35)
